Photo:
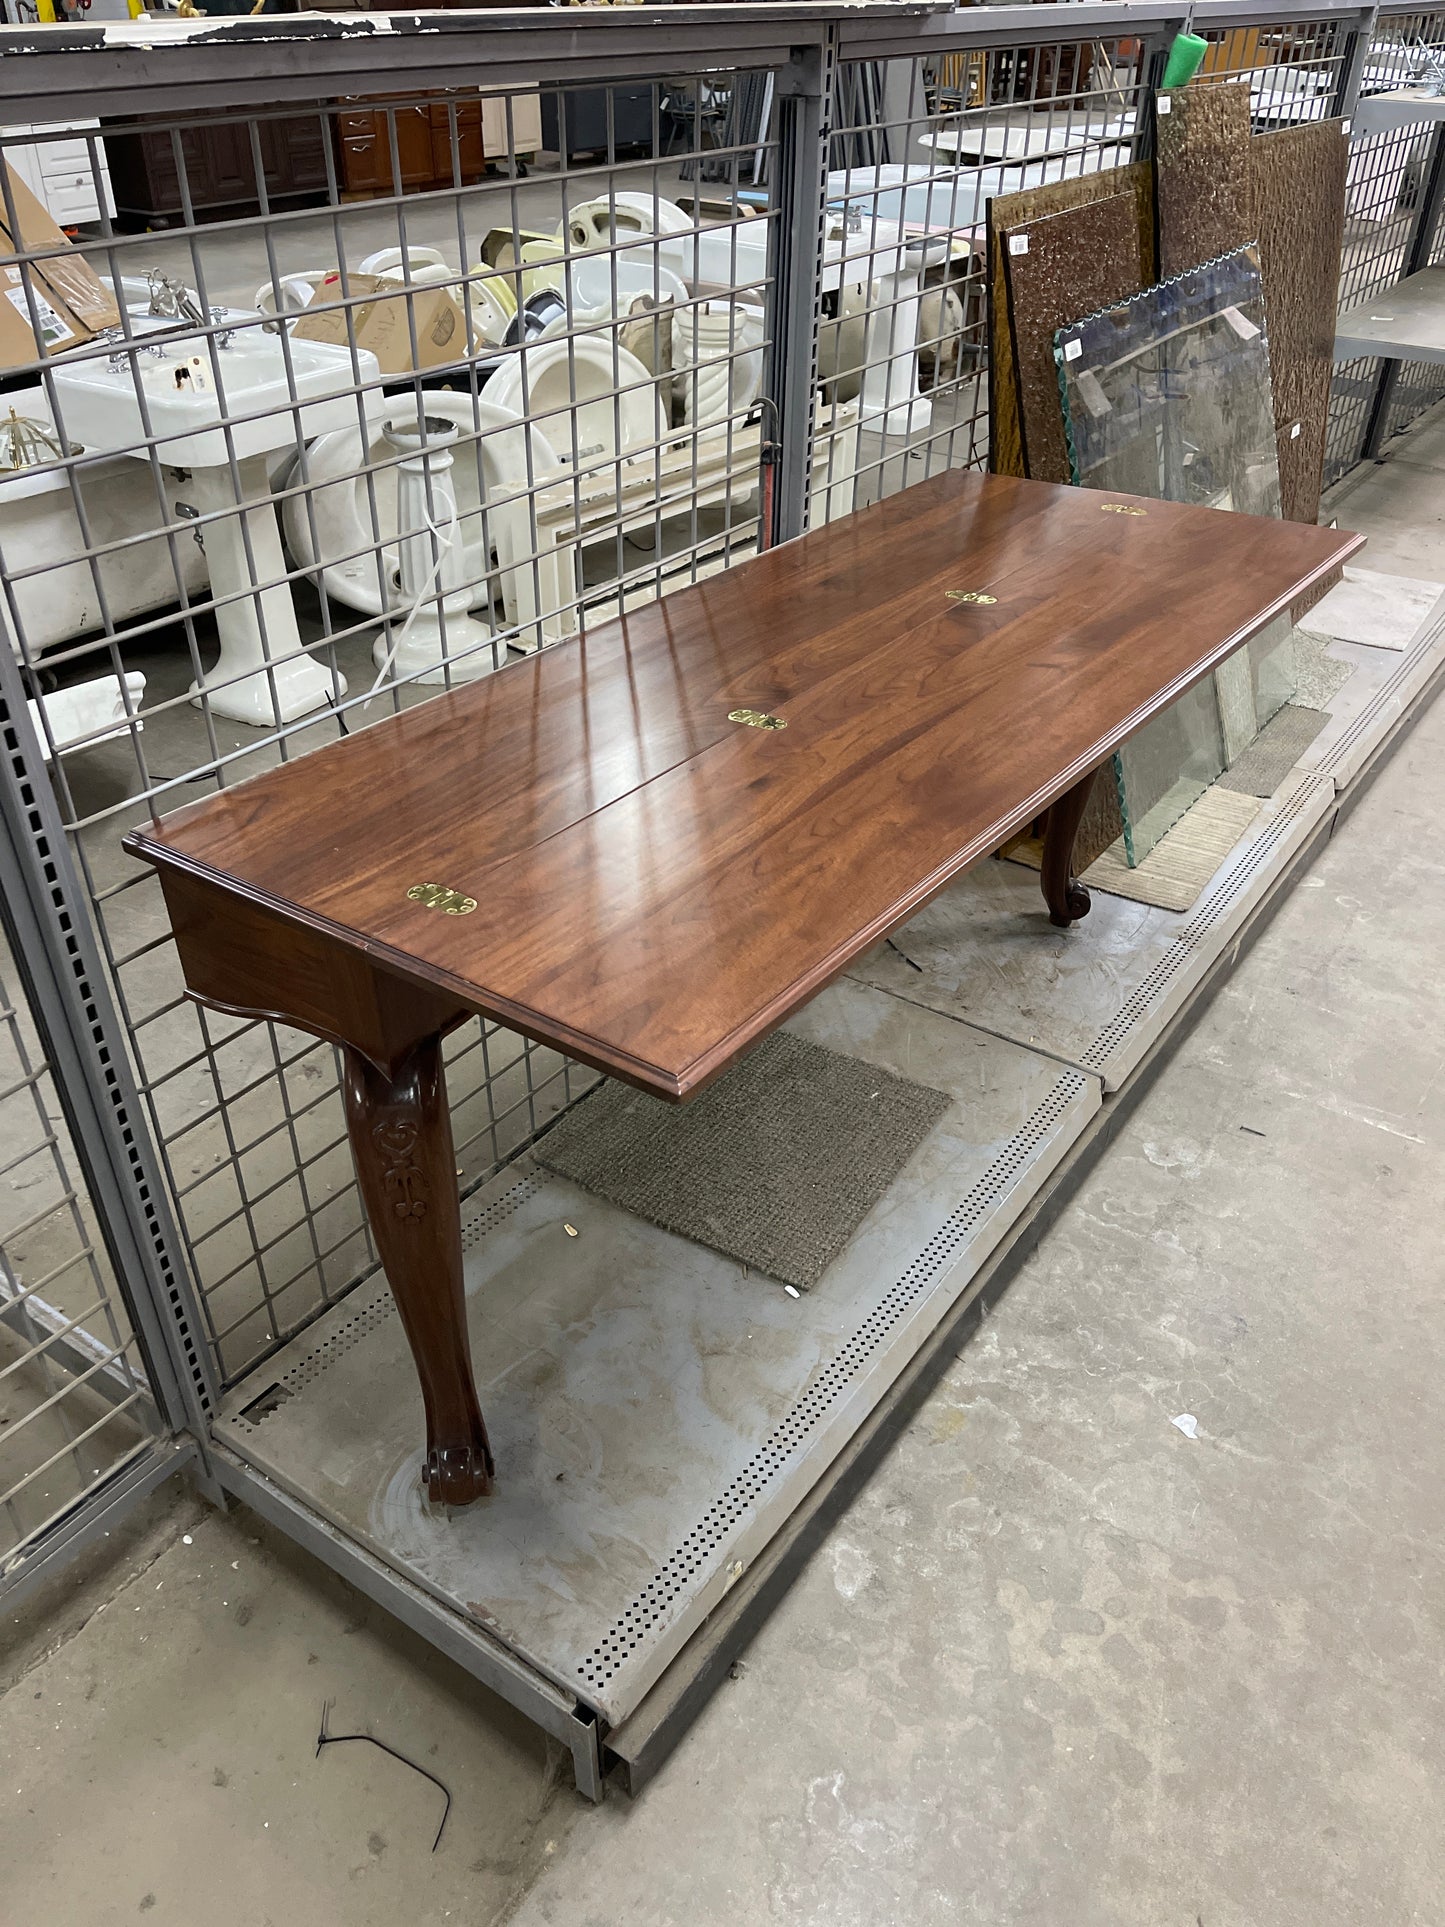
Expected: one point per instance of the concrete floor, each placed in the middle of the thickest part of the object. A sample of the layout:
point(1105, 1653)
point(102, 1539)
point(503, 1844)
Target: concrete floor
point(1060, 1664)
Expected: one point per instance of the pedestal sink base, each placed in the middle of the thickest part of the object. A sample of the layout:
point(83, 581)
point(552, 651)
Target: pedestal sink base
point(301, 686)
point(260, 643)
point(421, 657)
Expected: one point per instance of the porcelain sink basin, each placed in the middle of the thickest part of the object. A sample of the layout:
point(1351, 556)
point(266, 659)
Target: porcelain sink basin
point(100, 394)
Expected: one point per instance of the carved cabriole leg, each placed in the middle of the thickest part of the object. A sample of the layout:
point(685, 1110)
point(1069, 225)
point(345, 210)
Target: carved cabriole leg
point(1066, 897)
point(401, 1138)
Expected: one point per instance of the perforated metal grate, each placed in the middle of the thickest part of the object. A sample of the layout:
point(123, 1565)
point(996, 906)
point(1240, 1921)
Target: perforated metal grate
point(1367, 723)
point(654, 1604)
point(475, 1229)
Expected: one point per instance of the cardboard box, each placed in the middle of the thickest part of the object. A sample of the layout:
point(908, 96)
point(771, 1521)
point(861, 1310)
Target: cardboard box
point(72, 302)
point(383, 325)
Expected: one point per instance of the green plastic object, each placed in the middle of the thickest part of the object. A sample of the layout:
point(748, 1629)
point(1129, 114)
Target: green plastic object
point(1184, 58)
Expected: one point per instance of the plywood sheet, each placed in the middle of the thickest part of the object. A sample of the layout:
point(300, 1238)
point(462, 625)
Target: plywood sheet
point(1297, 179)
point(1241, 47)
point(1202, 176)
point(1006, 450)
point(1060, 268)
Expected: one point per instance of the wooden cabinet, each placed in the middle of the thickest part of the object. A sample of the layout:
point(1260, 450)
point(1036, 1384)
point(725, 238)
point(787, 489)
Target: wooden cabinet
point(60, 172)
point(591, 118)
point(439, 143)
point(220, 167)
point(424, 155)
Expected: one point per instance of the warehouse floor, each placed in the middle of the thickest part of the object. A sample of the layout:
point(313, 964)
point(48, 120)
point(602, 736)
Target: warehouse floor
point(1061, 1664)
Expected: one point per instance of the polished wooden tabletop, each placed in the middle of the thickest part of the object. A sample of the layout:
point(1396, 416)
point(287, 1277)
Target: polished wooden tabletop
point(657, 884)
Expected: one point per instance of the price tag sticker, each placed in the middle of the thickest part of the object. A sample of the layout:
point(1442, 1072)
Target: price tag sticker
point(1166, 105)
point(1241, 324)
point(1018, 244)
point(1072, 350)
point(1294, 431)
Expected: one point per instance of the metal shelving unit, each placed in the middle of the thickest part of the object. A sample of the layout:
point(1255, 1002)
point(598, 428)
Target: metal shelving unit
point(231, 1312)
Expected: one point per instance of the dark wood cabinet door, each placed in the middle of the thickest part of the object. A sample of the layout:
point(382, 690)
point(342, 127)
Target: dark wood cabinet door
point(294, 153)
point(220, 166)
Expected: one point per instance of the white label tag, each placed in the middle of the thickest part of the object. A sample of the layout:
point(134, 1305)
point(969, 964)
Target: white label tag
point(1166, 105)
point(1072, 350)
point(1018, 244)
point(1294, 431)
point(1092, 395)
point(1241, 324)
point(52, 328)
point(192, 376)
point(1345, 129)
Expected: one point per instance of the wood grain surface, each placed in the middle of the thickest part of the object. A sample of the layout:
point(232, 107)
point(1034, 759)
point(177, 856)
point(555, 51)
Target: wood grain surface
point(657, 886)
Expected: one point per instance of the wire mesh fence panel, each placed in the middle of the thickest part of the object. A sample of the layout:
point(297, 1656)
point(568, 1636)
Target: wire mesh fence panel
point(74, 1403)
point(1295, 67)
point(1388, 180)
point(325, 410)
point(329, 407)
point(918, 150)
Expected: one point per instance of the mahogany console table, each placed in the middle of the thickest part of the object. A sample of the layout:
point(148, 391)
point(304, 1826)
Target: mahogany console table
point(648, 845)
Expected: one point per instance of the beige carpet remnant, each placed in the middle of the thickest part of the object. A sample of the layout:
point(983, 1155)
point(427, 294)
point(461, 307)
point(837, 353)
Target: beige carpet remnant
point(1182, 863)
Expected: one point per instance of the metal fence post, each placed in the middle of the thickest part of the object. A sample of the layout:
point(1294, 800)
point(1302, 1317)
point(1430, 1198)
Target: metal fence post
point(60, 965)
point(804, 91)
point(1352, 72)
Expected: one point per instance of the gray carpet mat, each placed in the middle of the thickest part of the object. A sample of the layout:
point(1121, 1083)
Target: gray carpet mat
point(776, 1164)
point(1260, 769)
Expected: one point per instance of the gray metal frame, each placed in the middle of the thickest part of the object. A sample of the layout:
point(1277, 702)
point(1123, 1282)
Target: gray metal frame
point(472, 1649)
point(58, 960)
point(129, 70)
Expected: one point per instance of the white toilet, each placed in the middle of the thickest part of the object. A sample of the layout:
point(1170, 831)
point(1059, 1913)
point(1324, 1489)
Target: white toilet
point(330, 529)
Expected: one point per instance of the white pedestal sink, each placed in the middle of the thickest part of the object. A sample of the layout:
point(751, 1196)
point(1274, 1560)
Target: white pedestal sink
point(890, 403)
point(243, 406)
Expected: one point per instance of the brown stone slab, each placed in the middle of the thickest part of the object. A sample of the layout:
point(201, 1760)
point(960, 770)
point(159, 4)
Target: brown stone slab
point(1202, 176)
point(1006, 449)
point(1298, 185)
point(1061, 268)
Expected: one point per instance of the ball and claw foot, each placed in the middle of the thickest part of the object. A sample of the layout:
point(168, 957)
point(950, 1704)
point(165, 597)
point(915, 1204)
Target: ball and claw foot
point(1077, 904)
point(458, 1474)
point(1066, 897)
